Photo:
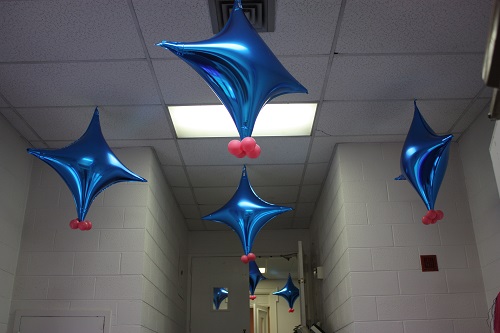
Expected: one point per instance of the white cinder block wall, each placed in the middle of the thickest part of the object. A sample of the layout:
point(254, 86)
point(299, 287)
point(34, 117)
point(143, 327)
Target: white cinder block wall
point(115, 265)
point(15, 170)
point(370, 237)
point(484, 200)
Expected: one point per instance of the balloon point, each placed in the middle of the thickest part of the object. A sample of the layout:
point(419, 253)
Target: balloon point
point(248, 144)
point(251, 256)
point(254, 153)
point(291, 310)
point(244, 259)
point(73, 224)
point(252, 297)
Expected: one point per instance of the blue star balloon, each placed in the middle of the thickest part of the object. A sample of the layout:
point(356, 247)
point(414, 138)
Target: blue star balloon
point(220, 294)
point(423, 162)
point(289, 292)
point(246, 214)
point(239, 67)
point(87, 166)
point(255, 277)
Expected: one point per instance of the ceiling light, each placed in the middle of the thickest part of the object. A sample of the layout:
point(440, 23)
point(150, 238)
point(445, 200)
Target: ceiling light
point(205, 121)
point(262, 270)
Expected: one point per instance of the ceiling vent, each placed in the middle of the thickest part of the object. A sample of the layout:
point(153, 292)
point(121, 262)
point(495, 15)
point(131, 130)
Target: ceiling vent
point(260, 13)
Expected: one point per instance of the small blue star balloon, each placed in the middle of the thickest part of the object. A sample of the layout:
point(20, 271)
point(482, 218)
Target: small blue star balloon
point(246, 214)
point(87, 166)
point(424, 159)
point(239, 67)
point(255, 277)
point(289, 292)
point(220, 294)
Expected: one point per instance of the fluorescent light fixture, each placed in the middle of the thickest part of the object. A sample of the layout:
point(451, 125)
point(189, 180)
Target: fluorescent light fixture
point(210, 121)
point(262, 270)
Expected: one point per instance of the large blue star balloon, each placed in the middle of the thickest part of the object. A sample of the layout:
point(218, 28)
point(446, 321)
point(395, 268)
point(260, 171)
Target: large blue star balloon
point(220, 294)
point(255, 277)
point(87, 166)
point(239, 67)
point(246, 214)
point(424, 159)
point(289, 292)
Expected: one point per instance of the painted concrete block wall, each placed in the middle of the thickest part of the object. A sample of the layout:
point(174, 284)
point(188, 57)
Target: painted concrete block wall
point(484, 200)
point(15, 169)
point(107, 267)
point(375, 282)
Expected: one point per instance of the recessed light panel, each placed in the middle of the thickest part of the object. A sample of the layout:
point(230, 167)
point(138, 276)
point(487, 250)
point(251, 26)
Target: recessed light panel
point(210, 121)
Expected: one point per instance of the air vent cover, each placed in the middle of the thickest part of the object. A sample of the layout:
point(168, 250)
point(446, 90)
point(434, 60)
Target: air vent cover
point(261, 13)
point(429, 263)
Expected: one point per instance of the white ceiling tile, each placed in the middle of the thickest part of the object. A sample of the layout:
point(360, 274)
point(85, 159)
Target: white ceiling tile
point(310, 72)
point(275, 150)
point(190, 212)
point(214, 176)
point(283, 195)
point(269, 175)
point(291, 38)
point(471, 114)
point(67, 30)
point(315, 173)
point(166, 150)
point(175, 175)
point(180, 84)
point(21, 126)
point(405, 77)
point(183, 195)
point(387, 117)
point(76, 84)
point(322, 148)
point(214, 195)
point(170, 20)
point(414, 26)
point(216, 226)
point(194, 224)
point(301, 222)
point(117, 123)
point(304, 209)
point(309, 193)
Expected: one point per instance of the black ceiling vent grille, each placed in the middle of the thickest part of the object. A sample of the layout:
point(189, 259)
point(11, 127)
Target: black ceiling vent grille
point(261, 13)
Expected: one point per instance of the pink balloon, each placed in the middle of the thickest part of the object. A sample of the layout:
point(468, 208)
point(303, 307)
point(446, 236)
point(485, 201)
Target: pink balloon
point(431, 214)
point(254, 153)
point(234, 147)
point(83, 225)
point(248, 144)
point(291, 310)
point(426, 220)
point(252, 297)
point(251, 257)
point(439, 214)
point(433, 221)
point(241, 155)
point(89, 225)
point(73, 224)
point(244, 259)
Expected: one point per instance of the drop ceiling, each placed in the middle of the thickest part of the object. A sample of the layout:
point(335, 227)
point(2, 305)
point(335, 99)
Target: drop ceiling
point(363, 61)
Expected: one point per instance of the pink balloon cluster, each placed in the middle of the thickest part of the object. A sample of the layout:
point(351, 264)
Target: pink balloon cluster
point(246, 147)
point(252, 297)
point(248, 257)
point(85, 225)
point(432, 217)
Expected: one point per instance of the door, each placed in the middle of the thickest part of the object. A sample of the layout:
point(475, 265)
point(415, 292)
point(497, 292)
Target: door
point(229, 273)
point(262, 317)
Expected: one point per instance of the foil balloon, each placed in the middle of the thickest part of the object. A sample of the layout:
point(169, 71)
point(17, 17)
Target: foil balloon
point(87, 166)
point(289, 292)
point(246, 214)
point(424, 159)
point(239, 67)
point(255, 277)
point(220, 294)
